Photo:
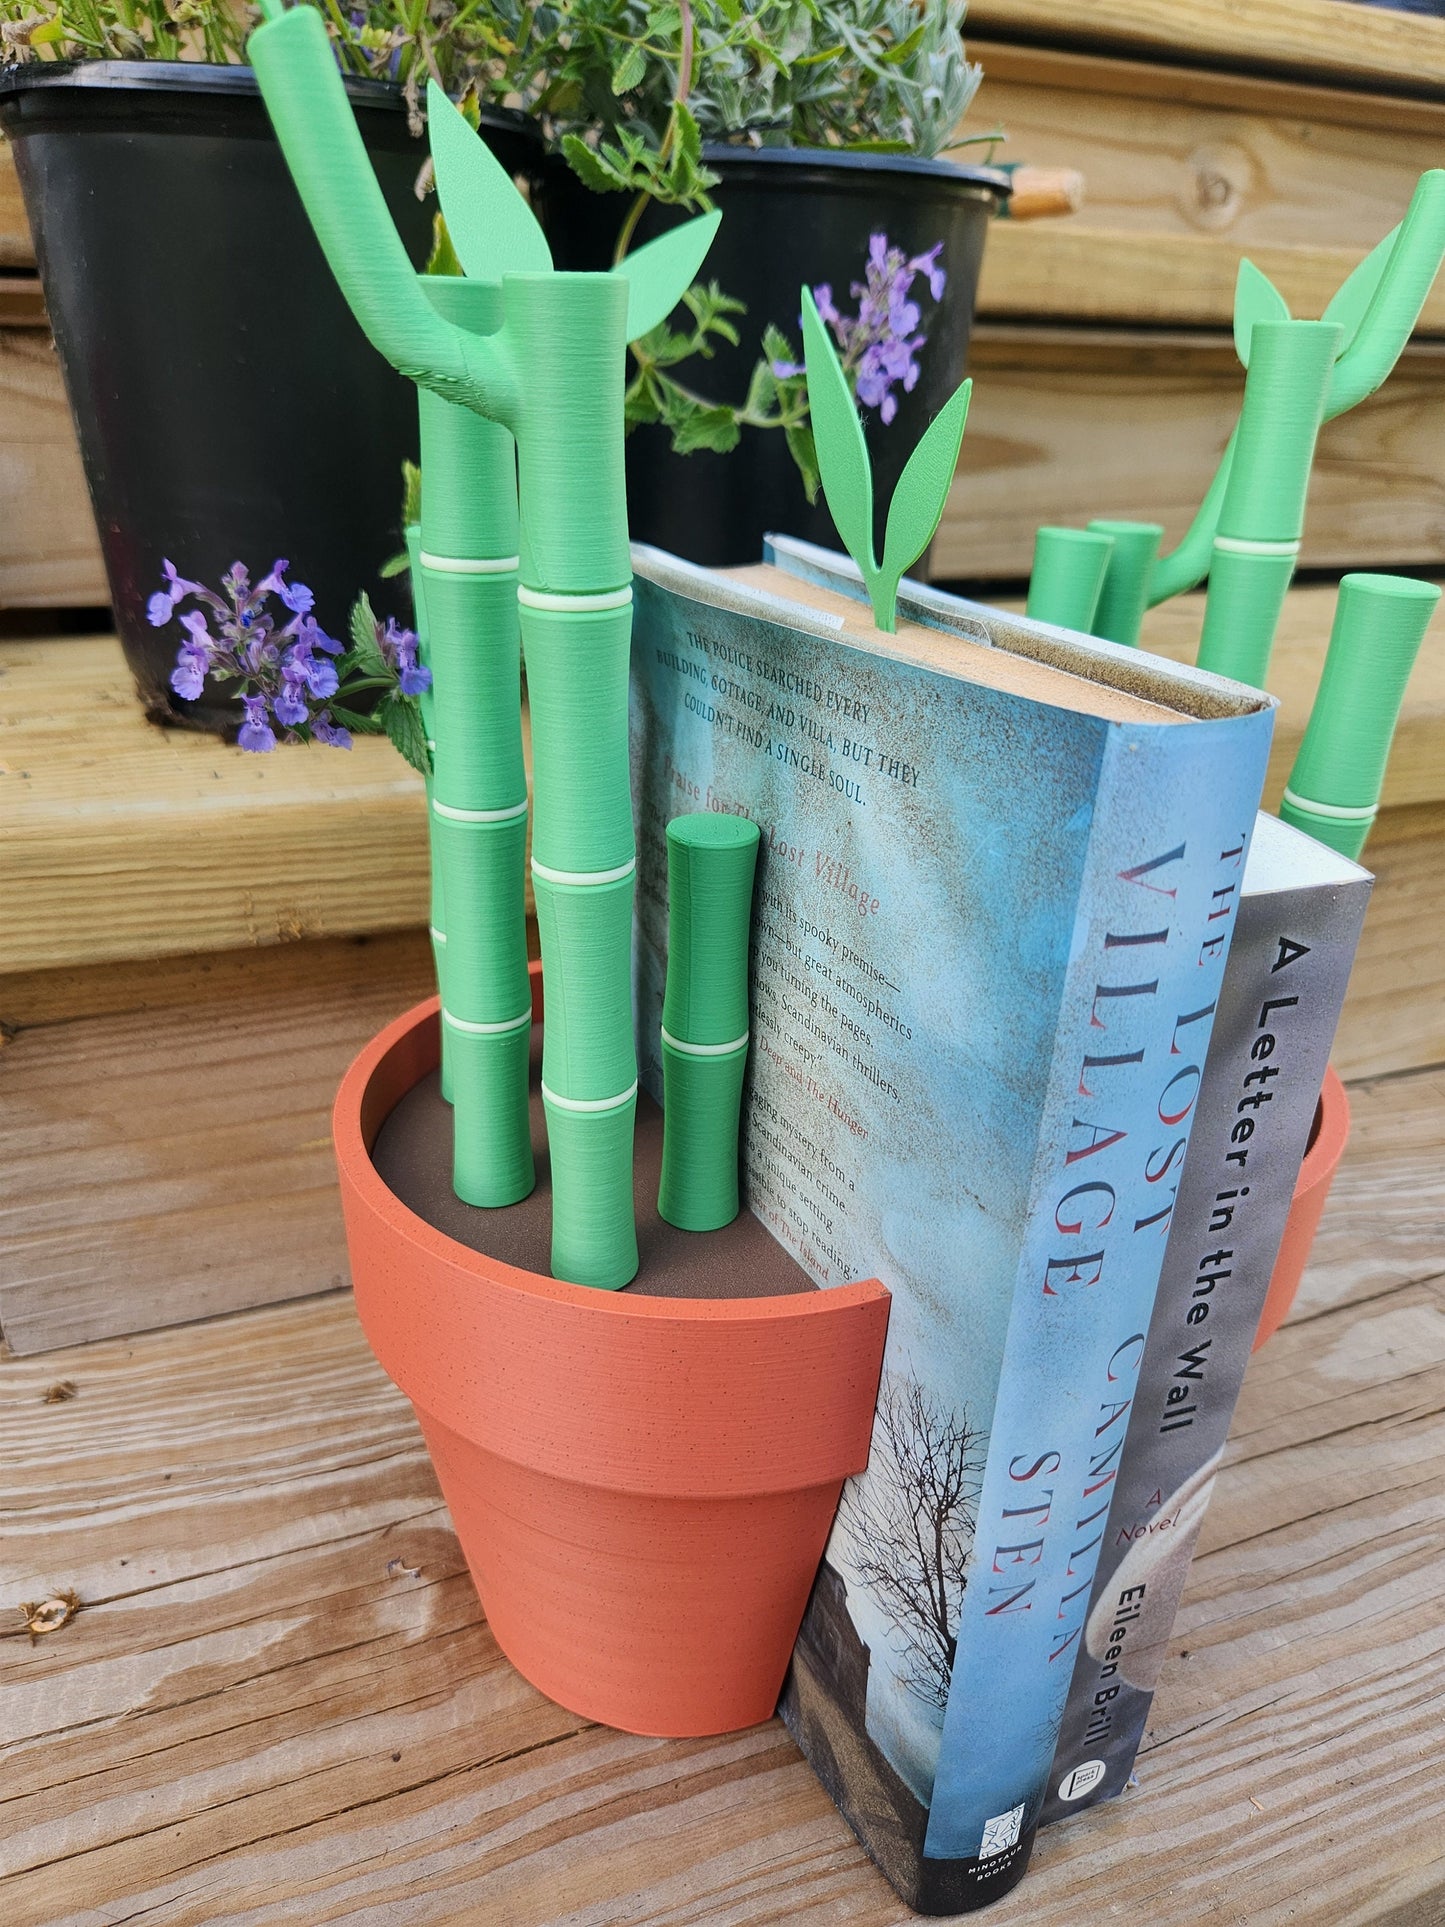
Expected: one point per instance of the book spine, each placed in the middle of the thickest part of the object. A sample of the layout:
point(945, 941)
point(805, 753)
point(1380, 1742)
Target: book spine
point(1285, 982)
point(1172, 822)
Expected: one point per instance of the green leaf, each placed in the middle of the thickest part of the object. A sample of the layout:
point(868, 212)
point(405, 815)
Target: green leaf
point(659, 274)
point(394, 565)
point(801, 447)
point(443, 257)
point(922, 491)
point(629, 70)
point(352, 719)
point(591, 169)
point(1351, 300)
point(699, 427)
point(410, 493)
point(492, 228)
point(369, 658)
point(52, 31)
point(1256, 298)
point(401, 719)
point(838, 435)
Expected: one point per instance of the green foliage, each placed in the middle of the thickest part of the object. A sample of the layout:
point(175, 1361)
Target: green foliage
point(395, 715)
point(773, 400)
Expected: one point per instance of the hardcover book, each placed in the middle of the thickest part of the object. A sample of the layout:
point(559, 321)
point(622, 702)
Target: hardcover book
point(1299, 918)
point(999, 872)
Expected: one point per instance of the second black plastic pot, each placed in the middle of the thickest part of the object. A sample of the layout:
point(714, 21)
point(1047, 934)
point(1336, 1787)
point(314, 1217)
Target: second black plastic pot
point(790, 216)
point(227, 404)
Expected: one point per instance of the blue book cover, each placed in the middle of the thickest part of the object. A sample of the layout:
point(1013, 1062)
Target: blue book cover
point(996, 890)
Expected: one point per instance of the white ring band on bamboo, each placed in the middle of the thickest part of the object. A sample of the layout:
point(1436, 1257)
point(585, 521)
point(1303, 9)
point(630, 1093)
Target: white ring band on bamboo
point(584, 876)
point(1242, 545)
point(590, 1103)
point(705, 1050)
point(507, 815)
point(1344, 812)
point(487, 1030)
point(437, 936)
point(572, 604)
point(471, 564)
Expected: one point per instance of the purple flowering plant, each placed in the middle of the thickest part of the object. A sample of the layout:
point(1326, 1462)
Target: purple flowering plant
point(294, 682)
point(879, 345)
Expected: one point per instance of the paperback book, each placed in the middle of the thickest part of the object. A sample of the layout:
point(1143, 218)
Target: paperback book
point(1299, 918)
point(999, 874)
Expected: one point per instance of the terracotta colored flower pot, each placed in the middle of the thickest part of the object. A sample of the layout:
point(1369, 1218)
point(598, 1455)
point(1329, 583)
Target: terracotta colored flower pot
point(642, 1486)
point(1326, 1147)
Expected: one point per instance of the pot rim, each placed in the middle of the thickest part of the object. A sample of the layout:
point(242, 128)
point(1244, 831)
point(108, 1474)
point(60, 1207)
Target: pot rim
point(827, 160)
point(353, 1153)
point(1328, 1142)
point(210, 77)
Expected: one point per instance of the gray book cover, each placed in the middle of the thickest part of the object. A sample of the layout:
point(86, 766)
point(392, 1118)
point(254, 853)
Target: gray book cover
point(1299, 920)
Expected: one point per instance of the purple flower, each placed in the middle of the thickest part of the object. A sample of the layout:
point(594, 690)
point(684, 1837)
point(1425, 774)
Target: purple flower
point(256, 733)
point(879, 345)
point(159, 610)
point(325, 731)
point(399, 647)
point(296, 596)
point(189, 673)
point(289, 706)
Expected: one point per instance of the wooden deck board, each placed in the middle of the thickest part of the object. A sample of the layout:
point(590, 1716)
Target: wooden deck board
point(256, 1717)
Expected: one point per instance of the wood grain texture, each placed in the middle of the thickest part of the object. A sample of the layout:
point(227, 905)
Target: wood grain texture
point(1186, 170)
point(16, 248)
point(1343, 46)
point(49, 553)
point(121, 840)
point(1068, 424)
point(169, 1157)
point(257, 1716)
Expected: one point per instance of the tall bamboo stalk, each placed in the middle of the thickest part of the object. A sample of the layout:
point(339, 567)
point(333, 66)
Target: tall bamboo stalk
point(552, 373)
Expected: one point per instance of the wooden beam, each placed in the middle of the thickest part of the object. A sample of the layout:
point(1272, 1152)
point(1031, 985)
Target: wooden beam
point(16, 248)
point(1071, 423)
point(1343, 46)
point(1187, 170)
point(49, 552)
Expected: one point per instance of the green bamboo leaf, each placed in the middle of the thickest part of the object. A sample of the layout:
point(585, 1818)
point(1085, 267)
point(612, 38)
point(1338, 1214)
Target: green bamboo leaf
point(1256, 298)
point(660, 274)
point(492, 228)
point(1351, 299)
point(838, 437)
point(922, 491)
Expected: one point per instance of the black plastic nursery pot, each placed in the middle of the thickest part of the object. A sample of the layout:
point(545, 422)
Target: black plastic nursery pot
point(790, 216)
point(228, 406)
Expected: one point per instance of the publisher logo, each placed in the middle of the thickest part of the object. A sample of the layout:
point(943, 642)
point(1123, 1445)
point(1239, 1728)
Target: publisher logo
point(1002, 1832)
point(1081, 1780)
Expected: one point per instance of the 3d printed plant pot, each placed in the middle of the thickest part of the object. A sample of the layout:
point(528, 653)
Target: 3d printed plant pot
point(642, 1486)
point(790, 215)
point(1328, 1138)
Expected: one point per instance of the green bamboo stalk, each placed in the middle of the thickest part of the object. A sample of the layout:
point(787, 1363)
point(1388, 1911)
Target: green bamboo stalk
point(1376, 308)
point(711, 861)
point(1067, 576)
point(468, 558)
point(576, 609)
point(1125, 594)
point(553, 373)
point(1333, 791)
point(1261, 518)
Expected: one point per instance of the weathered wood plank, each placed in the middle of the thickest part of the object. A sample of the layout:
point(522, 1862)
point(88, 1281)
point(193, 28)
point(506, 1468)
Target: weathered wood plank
point(1070, 424)
point(171, 1158)
point(1342, 46)
point(16, 248)
point(252, 1716)
point(49, 552)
